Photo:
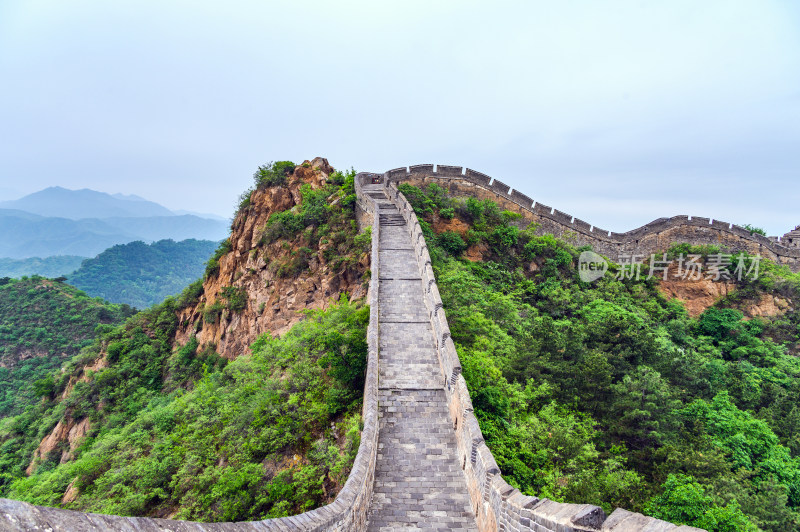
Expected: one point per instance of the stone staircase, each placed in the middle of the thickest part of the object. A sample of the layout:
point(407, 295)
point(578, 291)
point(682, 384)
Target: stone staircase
point(418, 481)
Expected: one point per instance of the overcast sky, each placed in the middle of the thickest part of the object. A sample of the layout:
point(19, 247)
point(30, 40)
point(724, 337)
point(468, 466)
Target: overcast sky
point(617, 112)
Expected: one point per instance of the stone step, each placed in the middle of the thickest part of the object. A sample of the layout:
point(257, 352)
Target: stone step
point(419, 483)
point(392, 220)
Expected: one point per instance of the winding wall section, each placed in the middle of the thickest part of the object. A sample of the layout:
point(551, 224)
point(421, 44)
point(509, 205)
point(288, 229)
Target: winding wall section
point(650, 238)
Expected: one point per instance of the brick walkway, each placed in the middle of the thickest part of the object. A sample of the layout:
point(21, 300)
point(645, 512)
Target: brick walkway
point(419, 483)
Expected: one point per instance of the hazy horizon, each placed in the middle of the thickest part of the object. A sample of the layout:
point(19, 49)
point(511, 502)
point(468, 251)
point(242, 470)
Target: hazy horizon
point(617, 113)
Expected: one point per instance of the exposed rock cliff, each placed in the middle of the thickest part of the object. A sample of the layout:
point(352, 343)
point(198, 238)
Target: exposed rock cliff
point(274, 303)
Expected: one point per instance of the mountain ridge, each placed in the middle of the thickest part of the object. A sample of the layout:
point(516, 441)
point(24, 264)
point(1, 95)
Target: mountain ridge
point(58, 221)
point(85, 203)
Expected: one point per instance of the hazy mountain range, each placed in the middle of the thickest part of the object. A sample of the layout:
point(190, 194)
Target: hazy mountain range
point(59, 221)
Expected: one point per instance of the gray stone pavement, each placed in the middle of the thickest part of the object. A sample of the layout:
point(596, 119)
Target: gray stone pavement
point(419, 484)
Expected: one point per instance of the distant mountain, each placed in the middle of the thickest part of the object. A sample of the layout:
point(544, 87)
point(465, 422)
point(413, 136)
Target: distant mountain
point(202, 214)
point(142, 275)
point(171, 227)
point(85, 203)
point(46, 267)
point(24, 235)
point(130, 197)
point(58, 221)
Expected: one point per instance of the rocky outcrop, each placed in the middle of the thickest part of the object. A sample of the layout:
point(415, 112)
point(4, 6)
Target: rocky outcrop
point(767, 306)
point(66, 430)
point(274, 303)
point(696, 295)
point(13, 360)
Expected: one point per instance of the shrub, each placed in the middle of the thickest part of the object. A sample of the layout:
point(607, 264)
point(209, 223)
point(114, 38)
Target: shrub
point(421, 203)
point(685, 248)
point(503, 238)
point(191, 294)
point(296, 264)
point(363, 241)
point(213, 312)
point(719, 324)
point(273, 174)
point(313, 211)
point(451, 242)
point(244, 200)
point(235, 297)
point(754, 230)
point(447, 213)
point(684, 501)
point(438, 195)
point(213, 263)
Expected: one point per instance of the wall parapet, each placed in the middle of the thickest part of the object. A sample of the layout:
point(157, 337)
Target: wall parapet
point(611, 243)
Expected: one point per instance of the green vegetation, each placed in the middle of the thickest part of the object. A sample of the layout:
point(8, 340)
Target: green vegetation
point(685, 501)
point(212, 266)
point(610, 394)
point(273, 174)
point(324, 221)
point(46, 267)
point(232, 299)
point(754, 230)
point(142, 275)
point(177, 430)
point(266, 435)
point(685, 249)
point(43, 323)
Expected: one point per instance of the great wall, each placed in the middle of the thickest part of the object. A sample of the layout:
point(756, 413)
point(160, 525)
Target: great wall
point(653, 237)
point(422, 462)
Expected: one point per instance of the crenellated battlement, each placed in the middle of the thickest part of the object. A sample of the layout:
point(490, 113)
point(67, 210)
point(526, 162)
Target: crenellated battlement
point(649, 238)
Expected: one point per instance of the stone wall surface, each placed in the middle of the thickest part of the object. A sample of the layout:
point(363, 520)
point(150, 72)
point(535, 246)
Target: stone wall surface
point(422, 461)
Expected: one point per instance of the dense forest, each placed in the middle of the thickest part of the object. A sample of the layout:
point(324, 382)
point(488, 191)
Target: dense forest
point(43, 323)
point(142, 274)
point(178, 431)
point(609, 393)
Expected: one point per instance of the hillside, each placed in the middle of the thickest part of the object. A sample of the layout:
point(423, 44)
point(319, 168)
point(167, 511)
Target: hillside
point(54, 266)
point(42, 325)
point(192, 409)
point(611, 392)
point(140, 274)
